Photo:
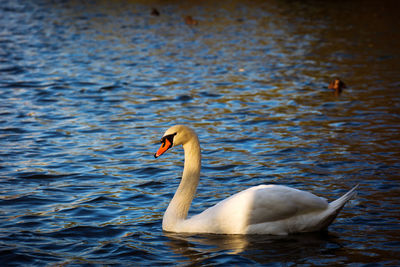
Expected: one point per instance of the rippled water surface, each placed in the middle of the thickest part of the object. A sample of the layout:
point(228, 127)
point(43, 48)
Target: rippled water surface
point(87, 88)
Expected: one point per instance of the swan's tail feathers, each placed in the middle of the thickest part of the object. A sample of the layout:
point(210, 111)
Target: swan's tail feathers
point(339, 203)
point(336, 206)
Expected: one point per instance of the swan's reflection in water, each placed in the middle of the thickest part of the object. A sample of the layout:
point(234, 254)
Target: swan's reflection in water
point(260, 249)
point(186, 244)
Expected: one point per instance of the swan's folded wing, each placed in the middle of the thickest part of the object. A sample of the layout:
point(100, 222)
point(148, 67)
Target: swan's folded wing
point(273, 202)
point(255, 205)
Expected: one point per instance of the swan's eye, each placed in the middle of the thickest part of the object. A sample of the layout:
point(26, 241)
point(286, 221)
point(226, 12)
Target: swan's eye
point(169, 137)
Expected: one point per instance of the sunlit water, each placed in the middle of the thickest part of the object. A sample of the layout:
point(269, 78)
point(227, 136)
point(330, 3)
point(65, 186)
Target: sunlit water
point(87, 90)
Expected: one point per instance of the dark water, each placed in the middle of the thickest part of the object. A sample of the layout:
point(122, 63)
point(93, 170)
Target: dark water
point(87, 89)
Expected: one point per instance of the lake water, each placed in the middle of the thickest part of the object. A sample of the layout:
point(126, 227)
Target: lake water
point(88, 89)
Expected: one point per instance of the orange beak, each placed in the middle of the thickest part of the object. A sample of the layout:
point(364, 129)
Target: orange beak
point(164, 147)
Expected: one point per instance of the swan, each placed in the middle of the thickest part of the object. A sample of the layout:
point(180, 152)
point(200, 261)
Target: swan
point(262, 209)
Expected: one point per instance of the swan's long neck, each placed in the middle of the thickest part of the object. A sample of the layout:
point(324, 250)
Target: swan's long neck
point(179, 206)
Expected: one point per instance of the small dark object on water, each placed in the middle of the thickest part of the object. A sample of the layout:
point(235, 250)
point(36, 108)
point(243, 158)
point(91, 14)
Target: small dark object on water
point(337, 85)
point(155, 12)
point(190, 21)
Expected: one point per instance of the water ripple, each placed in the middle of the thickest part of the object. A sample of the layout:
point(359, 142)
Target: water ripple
point(87, 90)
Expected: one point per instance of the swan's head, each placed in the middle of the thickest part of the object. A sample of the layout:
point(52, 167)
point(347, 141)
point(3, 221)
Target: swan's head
point(175, 136)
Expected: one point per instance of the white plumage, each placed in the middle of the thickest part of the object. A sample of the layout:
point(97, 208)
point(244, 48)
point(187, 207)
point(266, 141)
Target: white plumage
point(263, 209)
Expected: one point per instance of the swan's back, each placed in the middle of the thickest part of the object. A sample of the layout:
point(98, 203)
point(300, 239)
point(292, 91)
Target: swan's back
point(259, 209)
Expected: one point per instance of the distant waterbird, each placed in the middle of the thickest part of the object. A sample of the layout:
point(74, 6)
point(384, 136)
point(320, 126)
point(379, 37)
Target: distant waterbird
point(337, 85)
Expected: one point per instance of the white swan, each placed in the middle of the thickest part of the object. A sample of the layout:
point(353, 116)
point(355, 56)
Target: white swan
point(263, 209)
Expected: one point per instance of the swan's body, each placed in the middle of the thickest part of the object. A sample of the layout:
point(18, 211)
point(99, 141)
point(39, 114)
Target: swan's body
point(263, 209)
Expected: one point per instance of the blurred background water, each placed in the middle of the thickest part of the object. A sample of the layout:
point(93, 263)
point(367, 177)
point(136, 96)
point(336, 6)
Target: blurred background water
point(87, 88)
